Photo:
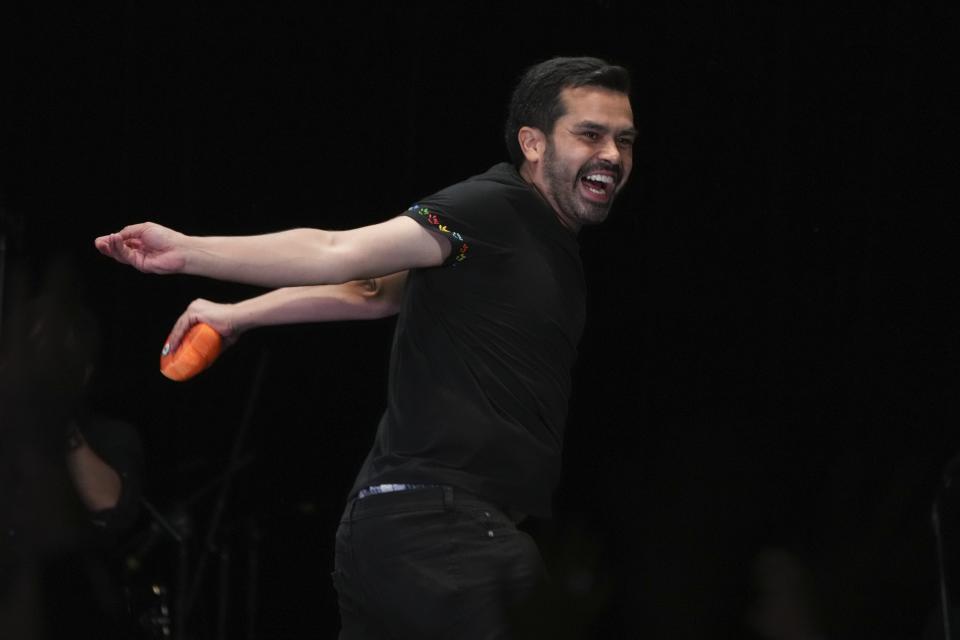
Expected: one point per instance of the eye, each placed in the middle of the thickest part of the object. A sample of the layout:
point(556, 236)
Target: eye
point(591, 135)
point(625, 142)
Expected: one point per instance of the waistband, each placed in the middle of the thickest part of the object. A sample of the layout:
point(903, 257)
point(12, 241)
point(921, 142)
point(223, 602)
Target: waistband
point(390, 488)
point(387, 498)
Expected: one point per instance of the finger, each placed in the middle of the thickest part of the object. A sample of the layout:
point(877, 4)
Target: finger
point(117, 250)
point(133, 230)
point(128, 251)
point(112, 246)
point(105, 244)
point(186, 320)
point(128, 235)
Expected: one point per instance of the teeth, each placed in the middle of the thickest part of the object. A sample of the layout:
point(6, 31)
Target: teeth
point(600, 178)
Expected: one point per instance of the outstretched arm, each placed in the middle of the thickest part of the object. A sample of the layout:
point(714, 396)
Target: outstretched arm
point(288, 258)
point(355, 300)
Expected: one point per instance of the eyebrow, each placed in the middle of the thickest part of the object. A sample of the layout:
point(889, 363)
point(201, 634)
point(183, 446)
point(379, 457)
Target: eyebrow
point(589, 125)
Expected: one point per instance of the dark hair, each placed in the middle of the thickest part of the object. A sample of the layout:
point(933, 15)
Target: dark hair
point(51, 342)
point(536, 99)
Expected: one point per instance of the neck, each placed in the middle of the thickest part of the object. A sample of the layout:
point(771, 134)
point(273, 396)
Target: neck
point(528, 175)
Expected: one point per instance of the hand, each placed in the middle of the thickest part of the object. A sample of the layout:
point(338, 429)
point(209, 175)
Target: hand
point(219, 316)
point(147, 247)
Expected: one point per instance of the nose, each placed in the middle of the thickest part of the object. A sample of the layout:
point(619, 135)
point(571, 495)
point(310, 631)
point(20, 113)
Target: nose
point(610, 152)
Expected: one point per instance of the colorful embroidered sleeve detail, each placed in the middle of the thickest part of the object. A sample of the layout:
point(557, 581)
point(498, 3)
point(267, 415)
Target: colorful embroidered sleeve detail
point(461, 250)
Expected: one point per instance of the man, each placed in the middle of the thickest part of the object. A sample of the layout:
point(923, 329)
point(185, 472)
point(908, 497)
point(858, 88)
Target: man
point(487, 281)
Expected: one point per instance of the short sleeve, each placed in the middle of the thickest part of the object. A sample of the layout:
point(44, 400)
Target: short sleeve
point(441, 223)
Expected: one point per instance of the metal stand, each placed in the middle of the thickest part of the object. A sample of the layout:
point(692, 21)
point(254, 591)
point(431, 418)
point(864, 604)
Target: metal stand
point(944, 589)
point(189, 586)
point(941, 507)
point(180, 532)
point(237, 461)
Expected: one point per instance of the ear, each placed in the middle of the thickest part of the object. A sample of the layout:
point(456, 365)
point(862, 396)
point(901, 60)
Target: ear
point(533, 143)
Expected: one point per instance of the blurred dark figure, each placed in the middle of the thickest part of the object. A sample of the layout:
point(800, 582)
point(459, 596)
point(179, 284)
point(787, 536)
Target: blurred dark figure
point(70, 479)
point(861, 563)
point(786, 605)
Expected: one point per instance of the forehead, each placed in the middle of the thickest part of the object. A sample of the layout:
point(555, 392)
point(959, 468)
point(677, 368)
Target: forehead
point(598, 105)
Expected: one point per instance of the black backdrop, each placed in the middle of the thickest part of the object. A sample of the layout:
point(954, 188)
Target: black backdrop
point(767, 360)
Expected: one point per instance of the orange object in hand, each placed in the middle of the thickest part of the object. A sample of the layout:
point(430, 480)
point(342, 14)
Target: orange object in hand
point(199, 348)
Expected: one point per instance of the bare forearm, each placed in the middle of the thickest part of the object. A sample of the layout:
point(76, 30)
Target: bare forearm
point(290, 258)
point(355, 300)
point(294, 257)
point(320, 303)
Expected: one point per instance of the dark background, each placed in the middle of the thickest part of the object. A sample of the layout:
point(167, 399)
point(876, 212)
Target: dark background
point(769, 361)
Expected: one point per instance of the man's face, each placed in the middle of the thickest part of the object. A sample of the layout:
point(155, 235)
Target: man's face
point(588, 155)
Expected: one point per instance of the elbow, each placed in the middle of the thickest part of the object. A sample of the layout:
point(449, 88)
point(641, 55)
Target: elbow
point(370, 288)
point(375, 298)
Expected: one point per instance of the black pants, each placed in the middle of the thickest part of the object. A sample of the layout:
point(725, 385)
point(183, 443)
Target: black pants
point(432, 563)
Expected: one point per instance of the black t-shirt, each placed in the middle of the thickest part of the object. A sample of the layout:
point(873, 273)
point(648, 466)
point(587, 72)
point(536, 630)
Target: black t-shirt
point(484, 346)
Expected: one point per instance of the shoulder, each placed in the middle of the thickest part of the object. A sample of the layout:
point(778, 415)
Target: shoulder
point(501, 178)
point(500, 191)
point(482, 215)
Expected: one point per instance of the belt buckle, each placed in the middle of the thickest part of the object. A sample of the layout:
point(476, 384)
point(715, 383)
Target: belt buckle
point(378, 489)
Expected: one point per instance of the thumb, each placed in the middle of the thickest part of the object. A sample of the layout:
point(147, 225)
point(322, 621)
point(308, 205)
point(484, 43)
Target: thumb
point(183, 324)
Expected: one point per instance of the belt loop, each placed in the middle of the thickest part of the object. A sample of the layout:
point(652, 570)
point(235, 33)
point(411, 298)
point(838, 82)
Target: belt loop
point(447, 497)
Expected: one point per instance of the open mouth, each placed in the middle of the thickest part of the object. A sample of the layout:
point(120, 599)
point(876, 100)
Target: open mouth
point(598, 186)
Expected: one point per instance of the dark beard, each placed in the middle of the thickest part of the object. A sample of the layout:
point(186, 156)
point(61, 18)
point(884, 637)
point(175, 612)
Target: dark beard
point(564, 189)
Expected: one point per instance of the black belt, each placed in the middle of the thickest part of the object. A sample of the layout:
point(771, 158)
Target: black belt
point(380, 489)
